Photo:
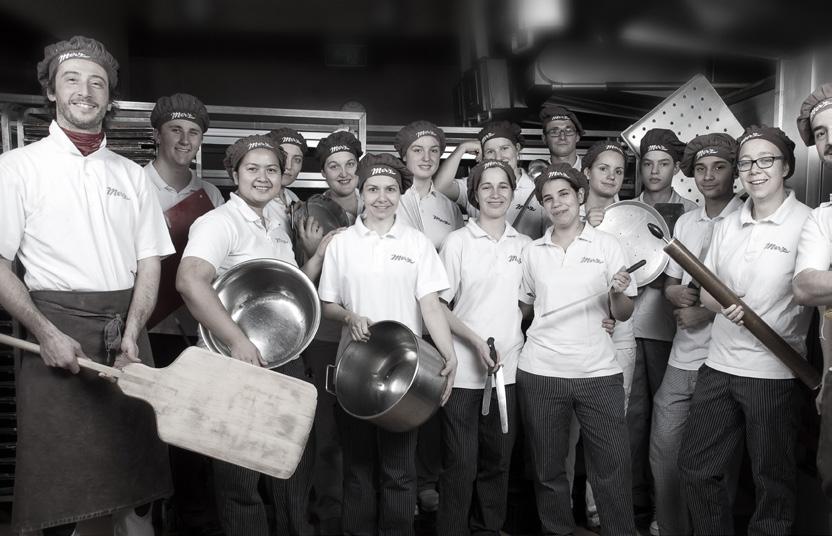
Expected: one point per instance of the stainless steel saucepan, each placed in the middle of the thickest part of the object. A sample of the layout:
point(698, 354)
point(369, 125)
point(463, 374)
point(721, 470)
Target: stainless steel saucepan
point(275, 305)
point(392, 380)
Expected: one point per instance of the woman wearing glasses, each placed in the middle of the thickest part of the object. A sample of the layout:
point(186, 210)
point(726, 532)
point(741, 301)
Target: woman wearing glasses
point(743, 391)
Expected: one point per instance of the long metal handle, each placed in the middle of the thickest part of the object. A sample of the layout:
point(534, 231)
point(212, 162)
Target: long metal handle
point(751, 320)
point(82, 361)
point(629, 270)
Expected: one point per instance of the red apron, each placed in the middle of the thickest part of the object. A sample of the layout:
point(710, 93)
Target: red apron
point(179, 219)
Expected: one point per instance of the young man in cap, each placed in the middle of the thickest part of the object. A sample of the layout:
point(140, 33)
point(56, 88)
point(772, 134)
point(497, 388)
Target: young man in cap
point(85, 224)
point(499, 140)
point(562, 131)
point(653, 323)
point(813, 279)
point(709, 159)
point(179, 121)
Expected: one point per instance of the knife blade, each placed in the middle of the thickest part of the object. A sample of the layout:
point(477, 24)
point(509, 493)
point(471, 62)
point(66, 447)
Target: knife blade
point(489, 381)
point(500, 384)
point(486, 395)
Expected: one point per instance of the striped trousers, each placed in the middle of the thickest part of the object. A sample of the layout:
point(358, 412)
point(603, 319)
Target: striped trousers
point(240, 505)
point(379, 478)
point(725, 409)
point(546, 407)
point(476, 456)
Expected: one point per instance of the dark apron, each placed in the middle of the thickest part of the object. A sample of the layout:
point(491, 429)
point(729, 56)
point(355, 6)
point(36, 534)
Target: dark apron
point(84, 449)
point(179, 218)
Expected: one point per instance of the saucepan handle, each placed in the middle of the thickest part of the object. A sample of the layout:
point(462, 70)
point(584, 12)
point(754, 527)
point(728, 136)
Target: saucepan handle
point(329, 384)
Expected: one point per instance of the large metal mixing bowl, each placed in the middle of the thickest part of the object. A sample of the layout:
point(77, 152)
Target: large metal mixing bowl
point(392, 380)
point(275, 305)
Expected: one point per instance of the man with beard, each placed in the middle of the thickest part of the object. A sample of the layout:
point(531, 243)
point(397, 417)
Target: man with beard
point(85, 225)
point(812, 283)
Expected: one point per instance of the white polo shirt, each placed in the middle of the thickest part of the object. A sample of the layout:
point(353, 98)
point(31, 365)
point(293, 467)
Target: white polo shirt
point(279, 207)
point(570, 343)
point(757, 258)
point(381, 277)
point(815, 247)
point(77, 222)
point(534, 220)
point(694, 229)
point(435, 214)
point(653, 315)
point(484, 276)
point(169, 197)
point(623, 336)
point(234, 233)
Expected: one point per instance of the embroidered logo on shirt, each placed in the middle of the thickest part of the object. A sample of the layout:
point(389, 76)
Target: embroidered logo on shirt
point(515, 258)
point(437, 218)
point(592, 260)
point(775, 247)
point(404, 258)
point(117, 193)
point(280, 240)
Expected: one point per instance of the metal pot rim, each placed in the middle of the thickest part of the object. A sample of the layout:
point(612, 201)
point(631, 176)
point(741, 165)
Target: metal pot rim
point(208, 337)
point(397, 325)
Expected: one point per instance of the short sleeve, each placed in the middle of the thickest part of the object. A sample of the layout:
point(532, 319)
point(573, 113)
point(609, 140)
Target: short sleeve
point(673, 269)
point(712, 256)
point(152, 237)
point(462, 196)
point(451, 257)
point(12, 212)
point(527, 293)
point(814, 249)
point(430, 275)
point(214, 193)
point(210, 239)
point(328, 288)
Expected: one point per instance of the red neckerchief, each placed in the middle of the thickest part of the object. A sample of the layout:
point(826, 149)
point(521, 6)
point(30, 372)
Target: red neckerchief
point(86, 143)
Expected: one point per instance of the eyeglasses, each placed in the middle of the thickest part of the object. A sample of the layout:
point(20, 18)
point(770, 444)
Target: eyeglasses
point(558, 132)
point(764, 162)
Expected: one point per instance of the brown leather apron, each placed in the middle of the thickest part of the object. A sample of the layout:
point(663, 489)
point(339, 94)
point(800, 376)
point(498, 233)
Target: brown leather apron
point(84, 449)
point(179, 218)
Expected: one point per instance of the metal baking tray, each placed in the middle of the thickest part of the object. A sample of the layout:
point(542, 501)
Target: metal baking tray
point(693, 109)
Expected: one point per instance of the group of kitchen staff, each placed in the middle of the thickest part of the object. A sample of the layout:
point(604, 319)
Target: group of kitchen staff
point(88, 227)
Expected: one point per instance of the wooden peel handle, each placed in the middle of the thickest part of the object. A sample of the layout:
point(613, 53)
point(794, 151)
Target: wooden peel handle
point(752, 321)
point(82, 361)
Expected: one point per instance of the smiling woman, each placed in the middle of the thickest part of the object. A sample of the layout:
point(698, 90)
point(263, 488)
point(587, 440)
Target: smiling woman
point(742, 390)
point(235, 232)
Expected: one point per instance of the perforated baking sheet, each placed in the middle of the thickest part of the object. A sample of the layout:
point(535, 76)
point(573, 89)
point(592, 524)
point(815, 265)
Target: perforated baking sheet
point(693, 109)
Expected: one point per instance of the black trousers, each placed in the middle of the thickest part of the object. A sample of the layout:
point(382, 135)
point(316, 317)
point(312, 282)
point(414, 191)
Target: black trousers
point(546, 407)
point(725, 409)
point(240, 506)
point(476, 456)
point(651, 363)
point(379, 478)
